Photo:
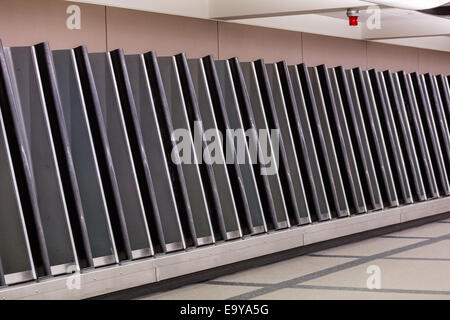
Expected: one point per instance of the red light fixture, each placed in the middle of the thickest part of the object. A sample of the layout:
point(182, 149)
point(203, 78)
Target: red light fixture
point(353, 21)
point(352, 15)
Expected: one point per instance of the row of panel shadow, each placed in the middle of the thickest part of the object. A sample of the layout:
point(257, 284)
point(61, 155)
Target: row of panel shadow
point(86, 152)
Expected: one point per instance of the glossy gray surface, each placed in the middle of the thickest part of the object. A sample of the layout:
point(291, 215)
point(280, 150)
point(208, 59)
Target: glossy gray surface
point(420, 141)
point(194, 185)
point(310, 156)
point(41, 154)
point(120, 151)
point(209, 122)
point(405, 135)
point(349, 170)
point(156, 157)
point(274, 185)
point(248, 175)
point(370, 180)
point(84, 158)
point(389, 128)
point(295, 173)
point(329, 157)
point(14, 247)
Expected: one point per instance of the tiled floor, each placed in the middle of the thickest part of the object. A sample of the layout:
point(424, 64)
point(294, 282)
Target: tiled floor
point(410, 264)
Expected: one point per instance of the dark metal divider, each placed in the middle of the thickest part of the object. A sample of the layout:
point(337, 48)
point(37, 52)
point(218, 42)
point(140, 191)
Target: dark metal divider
point(367, 173)
point(166, 129)
point(292, 166)
point(405, 136)
point(122, 159)
point(224, 104)
point(252, 196)
point(87, 165)
point(21, 166)
point(172, 235)
point(444, 90)
point(389, 129)
point(2, 275)
point(431, 134)
point(15, 254)
point(343, 145)
point(45, 148)
point(224, 204)
point(426, 166)
point(250, 107)
point(321, 139)
point(189, 173)
point(303, 139)
point(103, 154)
point(138, 153)
point(266, 119)
point(376, 138)
point(437, 112)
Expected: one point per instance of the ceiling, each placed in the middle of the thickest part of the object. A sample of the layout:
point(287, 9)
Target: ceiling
point(328, 17)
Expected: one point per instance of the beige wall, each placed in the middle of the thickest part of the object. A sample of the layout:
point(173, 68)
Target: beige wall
point(139, 32)
point(332, 51)
point(382, 56)
point(251, 43)
point(25, 22)
point(435, 62)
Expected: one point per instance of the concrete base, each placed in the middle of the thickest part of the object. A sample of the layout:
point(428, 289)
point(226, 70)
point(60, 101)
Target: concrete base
point(152, 270)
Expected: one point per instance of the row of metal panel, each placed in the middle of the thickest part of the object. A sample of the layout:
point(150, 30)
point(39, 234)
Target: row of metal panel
point(90, 177)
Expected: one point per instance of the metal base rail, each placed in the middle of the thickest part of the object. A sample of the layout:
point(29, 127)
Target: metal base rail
point(156, 269)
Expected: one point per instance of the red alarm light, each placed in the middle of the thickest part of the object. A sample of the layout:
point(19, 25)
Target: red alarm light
point(353, 21)
point(352, 15)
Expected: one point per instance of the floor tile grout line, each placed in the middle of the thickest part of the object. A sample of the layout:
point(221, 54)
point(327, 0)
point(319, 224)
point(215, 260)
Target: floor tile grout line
point(237, 284)
point(405, 237)
point(386, 258)
point(334, 269)
point(383, 290)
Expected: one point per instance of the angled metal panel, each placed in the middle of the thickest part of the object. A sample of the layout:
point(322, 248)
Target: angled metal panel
point(298, 111)
point(189, 174)
point(254, 118)
point(343, 144)
point(38, 120)
point(352, 107)
point(155, 156)
point(15, 136)
point(15, 253)
point(192, 120)
point(103, 154)
point(431, 133)
point(324, 141)
point(122, 160)
point(440, 118)
point(251, 197)
point(166, 129)
point(395, 95)
point(241, 177)
point(444, 91)
point(420, 141)
point(85, 160)
point(138, 153)
point(392, 142)
point(75, 215)
point(281, 117)
point(376, 138)
point(2, 275)
point(271, 118)
point(226, 208)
